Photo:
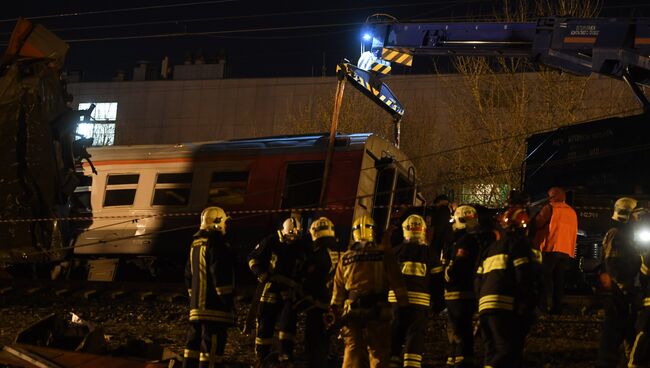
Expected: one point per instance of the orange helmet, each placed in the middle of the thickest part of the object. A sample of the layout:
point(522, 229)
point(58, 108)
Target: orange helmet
point(514, 218)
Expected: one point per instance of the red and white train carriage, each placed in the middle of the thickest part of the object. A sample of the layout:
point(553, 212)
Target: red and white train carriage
point(145, 198)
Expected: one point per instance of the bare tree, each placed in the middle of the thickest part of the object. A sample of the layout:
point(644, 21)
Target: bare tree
point(473, 151)
point(501, 101)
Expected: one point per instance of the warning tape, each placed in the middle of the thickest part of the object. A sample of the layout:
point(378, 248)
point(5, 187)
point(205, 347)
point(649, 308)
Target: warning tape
point(186, 214)
point(234, 212)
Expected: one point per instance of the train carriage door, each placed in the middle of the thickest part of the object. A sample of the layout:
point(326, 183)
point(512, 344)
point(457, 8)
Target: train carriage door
point(383, 196)
point(302, 184)
point(394, 187)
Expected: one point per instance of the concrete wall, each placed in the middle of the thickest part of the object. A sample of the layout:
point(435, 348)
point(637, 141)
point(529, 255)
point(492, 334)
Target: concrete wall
point(199, 110)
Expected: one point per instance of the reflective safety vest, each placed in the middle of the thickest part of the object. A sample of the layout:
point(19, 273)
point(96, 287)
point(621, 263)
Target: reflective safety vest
point(562, 230)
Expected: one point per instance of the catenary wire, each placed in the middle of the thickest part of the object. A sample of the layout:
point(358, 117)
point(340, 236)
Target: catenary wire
point(259, 15)
point(123, 10)
point(211, 33)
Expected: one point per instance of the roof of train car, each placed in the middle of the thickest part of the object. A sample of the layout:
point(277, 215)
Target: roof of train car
point(305, 142)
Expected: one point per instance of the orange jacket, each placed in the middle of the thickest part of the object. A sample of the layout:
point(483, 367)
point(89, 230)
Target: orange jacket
point(559, 233)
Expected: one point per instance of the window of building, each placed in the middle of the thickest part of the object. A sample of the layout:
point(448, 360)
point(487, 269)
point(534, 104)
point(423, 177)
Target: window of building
point(172, 189)
point(120, 189)
point(228, 187)
point(101, 126)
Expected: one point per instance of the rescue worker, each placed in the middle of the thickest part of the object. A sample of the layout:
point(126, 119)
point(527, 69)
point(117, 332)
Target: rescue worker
point(640, 353)
point(508, 285)
point(209, 280)
point(359, 297)
point(460, 299)
point(621, 266)
point(423, 277)
point(276, 262)
point(556, 231)
point(442, 232)
point(317, 277)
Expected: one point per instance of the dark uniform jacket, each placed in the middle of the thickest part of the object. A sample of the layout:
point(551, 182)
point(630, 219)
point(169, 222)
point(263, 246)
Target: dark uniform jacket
point(644, 278)
point(442, 232)
point(505, 277)
point(622, 261)
point(209, 278)
point(422, 274)
point(460, 260)
point(280, 263)
point(317, 270)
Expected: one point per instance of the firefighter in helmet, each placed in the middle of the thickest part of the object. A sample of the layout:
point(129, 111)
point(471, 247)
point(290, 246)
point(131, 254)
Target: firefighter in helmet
point(507, 290)
point(365, 273)
point(209, 280)
point(460, 259)
point(317, 272)
point(423, 277)
point(276, 262)
point(640, 353)
point(621, 267)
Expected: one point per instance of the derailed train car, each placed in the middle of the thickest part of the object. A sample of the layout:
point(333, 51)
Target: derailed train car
point(145, 199)
point(597, 162)
point(40, 151)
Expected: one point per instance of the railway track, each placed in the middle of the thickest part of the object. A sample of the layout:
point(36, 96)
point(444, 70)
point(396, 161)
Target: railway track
point(79, 289)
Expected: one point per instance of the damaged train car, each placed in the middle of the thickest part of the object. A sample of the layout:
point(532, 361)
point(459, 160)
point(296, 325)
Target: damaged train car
point(41, 155)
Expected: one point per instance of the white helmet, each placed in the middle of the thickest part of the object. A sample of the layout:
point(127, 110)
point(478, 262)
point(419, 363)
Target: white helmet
point(465, 217)
point(214, 219)
point(623, 209)
point(414, 228)
point(321, 227)
point(290, 230)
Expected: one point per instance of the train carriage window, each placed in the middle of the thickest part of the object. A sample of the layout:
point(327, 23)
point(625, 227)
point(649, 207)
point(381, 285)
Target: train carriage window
point(382, 199)
point(228, 187)
point(404, 191)
point(302, 184)
point(120, 189)
point(172, 189)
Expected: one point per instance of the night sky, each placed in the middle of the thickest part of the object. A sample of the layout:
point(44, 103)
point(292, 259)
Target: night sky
point(316, 34)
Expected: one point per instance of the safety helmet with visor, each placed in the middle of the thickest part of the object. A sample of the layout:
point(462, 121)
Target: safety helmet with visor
point(623, 209)
point(363, 229)
point(214, 219)
point(465, 218)
point(414, 228)
point(322, 227)
point(290, 230)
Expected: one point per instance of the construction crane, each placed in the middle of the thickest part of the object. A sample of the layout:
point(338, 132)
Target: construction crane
point(617, 48)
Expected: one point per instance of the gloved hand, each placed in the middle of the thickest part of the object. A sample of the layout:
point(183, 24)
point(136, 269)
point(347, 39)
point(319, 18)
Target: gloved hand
point(331, 316)
point(263, 277)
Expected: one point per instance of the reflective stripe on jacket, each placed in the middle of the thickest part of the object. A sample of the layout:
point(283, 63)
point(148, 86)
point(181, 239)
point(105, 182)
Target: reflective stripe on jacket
point(209, 278)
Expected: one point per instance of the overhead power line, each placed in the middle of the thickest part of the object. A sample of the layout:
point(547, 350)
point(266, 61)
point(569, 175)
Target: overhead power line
point(211, 33)
point(122, 10)
point(259, 15)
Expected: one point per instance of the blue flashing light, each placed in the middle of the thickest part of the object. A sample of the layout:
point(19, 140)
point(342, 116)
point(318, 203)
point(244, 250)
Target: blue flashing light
point(367, 36)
